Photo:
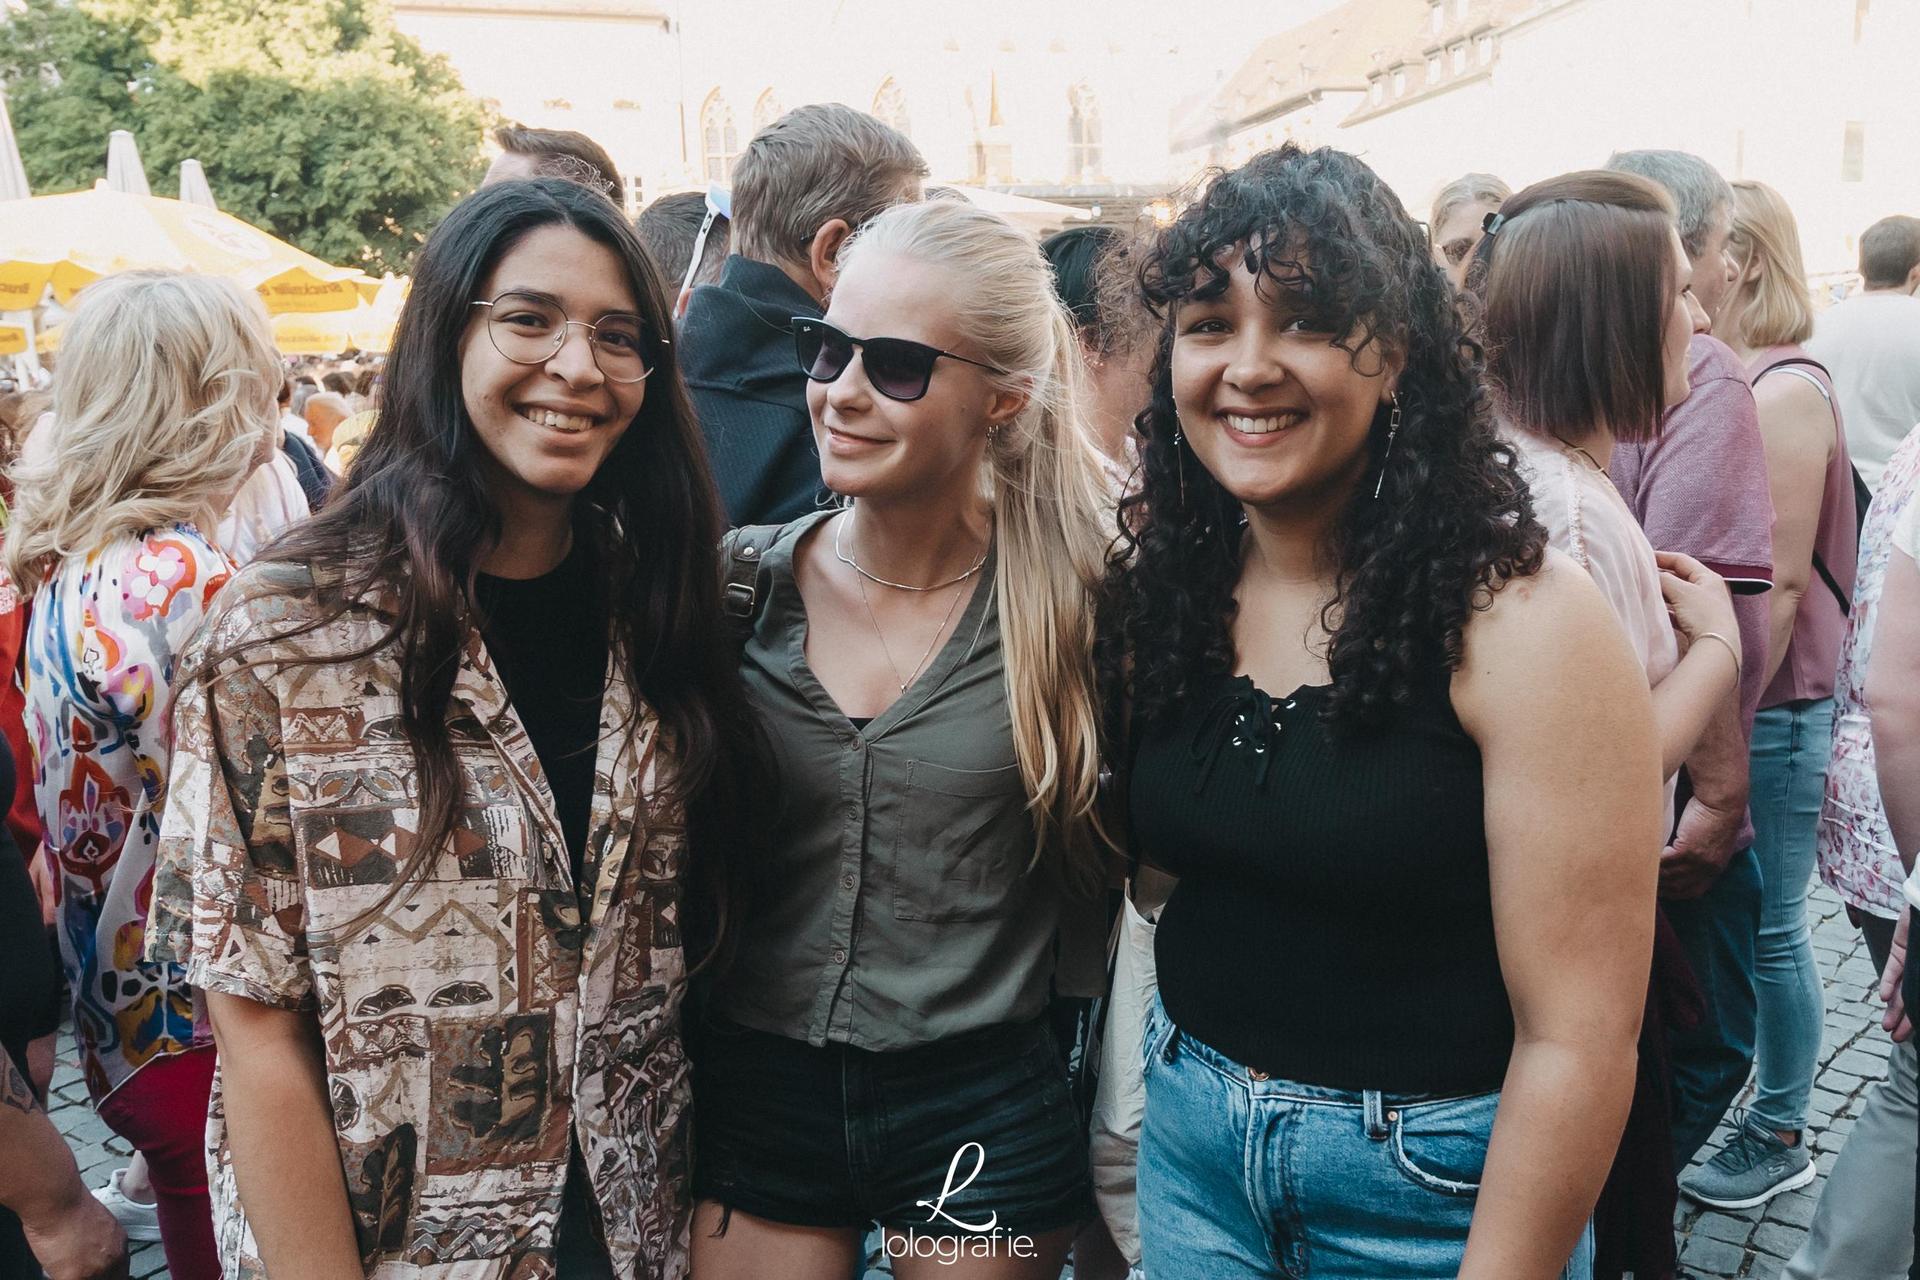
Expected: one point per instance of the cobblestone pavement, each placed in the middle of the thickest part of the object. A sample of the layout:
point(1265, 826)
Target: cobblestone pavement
point(1749, 1243)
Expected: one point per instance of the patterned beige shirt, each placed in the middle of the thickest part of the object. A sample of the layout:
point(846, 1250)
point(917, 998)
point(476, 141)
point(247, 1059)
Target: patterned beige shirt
point(474, 1025)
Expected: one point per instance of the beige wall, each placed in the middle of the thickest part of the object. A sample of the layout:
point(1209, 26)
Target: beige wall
point(1761, 88)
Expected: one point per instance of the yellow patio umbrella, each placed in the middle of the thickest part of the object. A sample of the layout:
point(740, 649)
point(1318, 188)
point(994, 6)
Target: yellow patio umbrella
point(368, 327)
point(13, 340)
point(71, 240)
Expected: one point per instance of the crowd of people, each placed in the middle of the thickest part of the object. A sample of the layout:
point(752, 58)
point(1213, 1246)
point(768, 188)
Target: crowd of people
point(1292, 743)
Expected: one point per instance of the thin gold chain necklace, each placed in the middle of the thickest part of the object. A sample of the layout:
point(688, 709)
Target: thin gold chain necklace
point(932, 645)
point(840, 551)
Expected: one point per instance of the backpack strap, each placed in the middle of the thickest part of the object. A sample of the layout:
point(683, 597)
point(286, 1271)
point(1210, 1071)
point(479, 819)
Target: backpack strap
point(740, 554)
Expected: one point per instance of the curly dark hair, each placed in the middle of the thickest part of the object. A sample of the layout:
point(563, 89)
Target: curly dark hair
point(1453, 521)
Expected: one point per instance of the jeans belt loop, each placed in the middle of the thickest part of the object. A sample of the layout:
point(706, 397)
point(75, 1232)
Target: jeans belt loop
point(1376, 1113)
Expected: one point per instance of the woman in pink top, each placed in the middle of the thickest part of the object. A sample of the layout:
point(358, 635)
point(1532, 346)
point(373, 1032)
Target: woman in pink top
point(1814, 544)
point(1587, 316)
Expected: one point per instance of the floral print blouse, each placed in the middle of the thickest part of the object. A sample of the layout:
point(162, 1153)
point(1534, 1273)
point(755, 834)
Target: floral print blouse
point(101, 651)
point(1855, 849)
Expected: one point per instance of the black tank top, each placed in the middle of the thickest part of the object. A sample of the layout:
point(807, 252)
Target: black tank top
point(1333, 922)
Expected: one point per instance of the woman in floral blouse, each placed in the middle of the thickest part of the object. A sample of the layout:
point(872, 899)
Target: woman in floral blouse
point(165, 404)
point(452, 763)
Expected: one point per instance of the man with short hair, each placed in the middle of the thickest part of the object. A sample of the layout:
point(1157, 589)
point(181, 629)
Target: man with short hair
point(553, 153)
point(1701, 487)
point(1870, 344)
point(670, 229)
point(324, 413)
point(804, 184)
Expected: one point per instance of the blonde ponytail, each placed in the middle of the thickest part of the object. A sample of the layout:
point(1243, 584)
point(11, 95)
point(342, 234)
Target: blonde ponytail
point(1051, 507)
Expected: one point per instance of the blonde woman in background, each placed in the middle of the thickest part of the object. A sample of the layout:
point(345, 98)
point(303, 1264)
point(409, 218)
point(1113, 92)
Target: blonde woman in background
point(921, 658)
point(1765, 320)
point(164, 405)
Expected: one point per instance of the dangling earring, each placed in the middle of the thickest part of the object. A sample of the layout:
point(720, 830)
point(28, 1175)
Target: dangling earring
point(1180, 460)
point(1393, 429)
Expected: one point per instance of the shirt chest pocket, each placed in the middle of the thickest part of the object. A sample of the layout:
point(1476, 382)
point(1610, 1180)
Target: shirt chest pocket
point(963, 845)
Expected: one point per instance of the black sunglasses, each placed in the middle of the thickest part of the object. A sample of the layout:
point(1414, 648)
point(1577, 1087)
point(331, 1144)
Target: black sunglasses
point(896, 368)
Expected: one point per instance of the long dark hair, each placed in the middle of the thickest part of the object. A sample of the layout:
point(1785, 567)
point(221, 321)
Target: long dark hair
point(413, 518)
point(1453, 520)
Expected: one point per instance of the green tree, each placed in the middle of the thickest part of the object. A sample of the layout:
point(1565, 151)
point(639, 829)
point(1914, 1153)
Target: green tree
point(318, 121)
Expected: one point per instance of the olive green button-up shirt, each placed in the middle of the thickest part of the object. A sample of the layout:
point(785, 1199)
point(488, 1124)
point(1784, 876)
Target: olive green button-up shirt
point(899, 907)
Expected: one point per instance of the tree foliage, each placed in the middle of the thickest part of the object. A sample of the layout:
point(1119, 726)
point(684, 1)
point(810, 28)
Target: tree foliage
point(315, 119)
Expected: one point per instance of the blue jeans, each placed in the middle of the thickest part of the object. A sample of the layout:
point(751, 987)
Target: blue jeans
point(1791, 745)
point(1252, 1177)
point(1710, 1063)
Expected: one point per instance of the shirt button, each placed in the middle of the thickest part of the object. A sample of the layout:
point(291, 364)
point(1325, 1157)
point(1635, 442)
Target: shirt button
point(846, 882)
point(839, 955)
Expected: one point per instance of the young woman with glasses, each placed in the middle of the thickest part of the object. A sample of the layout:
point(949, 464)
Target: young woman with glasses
point(921, 658)
point(1398, 754)
point(454, 761)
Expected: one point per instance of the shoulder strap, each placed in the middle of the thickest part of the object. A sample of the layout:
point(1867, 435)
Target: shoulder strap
point(740, 555)
point(1798, 366)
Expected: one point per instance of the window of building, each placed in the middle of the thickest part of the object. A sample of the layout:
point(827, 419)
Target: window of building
point(1399, 81)
point(1853, 152)
point(1460, 9)
point(1859, 18)
point(634, 197)
point(1376, 91)
point(1437, 15)
point(719, 139)
point(1483, 50)
point(1433, 68)
point(890, 107)
point(1459, 57)
point(766, 109)
point(1084, 161)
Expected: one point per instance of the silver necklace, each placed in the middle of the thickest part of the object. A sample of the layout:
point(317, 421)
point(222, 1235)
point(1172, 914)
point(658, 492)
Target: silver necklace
point(932, 645)
point(840, 551)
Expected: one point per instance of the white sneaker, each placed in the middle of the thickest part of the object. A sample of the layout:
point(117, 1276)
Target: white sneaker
point(139, 1221)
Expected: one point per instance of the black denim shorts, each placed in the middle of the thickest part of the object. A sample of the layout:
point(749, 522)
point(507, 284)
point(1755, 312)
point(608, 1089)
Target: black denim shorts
point(975, 1134)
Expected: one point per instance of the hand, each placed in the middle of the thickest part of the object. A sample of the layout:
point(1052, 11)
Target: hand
point(1701, 848)
point(1897, 1018)
point(81, 1242)
point(1697, 597)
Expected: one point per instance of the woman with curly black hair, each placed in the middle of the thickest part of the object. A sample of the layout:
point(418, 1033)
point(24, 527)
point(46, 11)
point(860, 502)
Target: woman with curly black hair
point(1398, 753)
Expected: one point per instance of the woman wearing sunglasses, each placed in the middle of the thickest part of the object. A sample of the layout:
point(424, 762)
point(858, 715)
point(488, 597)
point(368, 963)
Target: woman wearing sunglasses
point(879, 1052)
point(446, 764)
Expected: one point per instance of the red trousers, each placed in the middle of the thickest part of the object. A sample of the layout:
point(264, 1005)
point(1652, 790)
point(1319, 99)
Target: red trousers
point(162, 1112)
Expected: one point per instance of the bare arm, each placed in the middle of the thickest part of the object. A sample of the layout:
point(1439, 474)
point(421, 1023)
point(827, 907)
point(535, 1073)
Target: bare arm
point(1561, 712)
point(280, 1126)
point(1686, 702)
point(1797, 426)
point(1709, 824)
point(71, 1234)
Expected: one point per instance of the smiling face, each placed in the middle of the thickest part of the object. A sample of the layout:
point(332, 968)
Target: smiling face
point(1274, 411)
point(1685, 317)
point(874, 447)
point(546, 428)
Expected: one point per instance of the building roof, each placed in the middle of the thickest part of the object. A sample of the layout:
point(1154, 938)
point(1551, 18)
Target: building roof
point(1340, 50)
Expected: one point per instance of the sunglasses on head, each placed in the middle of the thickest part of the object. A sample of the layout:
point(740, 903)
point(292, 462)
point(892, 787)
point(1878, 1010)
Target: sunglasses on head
point(896, 368)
